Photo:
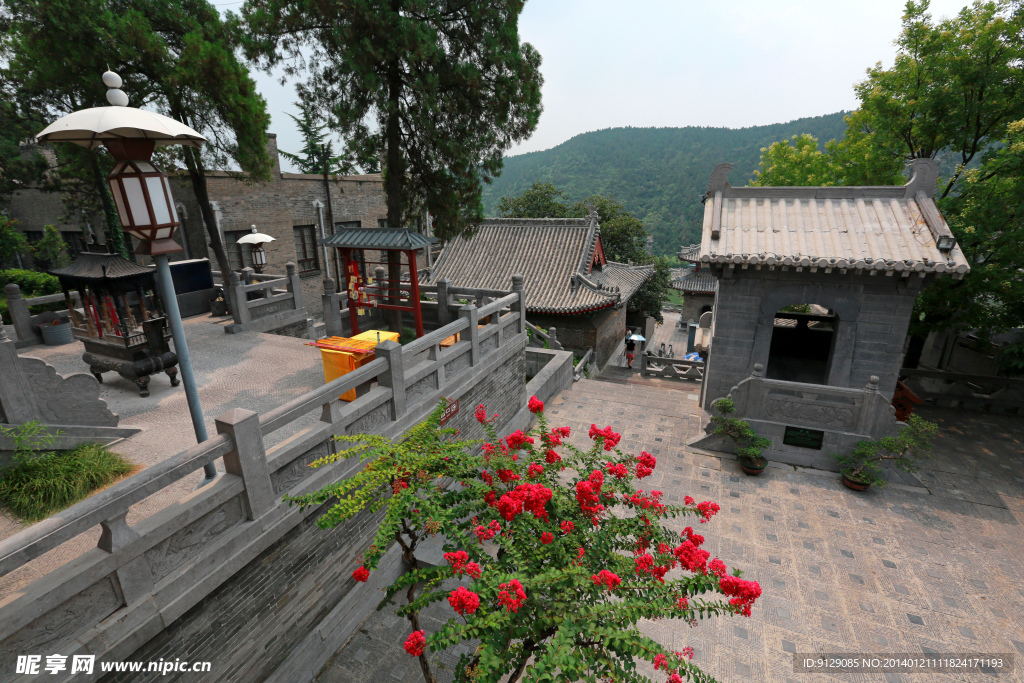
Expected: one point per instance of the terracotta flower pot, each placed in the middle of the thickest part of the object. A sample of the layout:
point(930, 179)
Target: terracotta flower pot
point(854, 484)
point(753, 468)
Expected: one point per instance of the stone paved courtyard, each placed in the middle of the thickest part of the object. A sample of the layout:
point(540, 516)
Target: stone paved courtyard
point(899, 570)
point(251, 370)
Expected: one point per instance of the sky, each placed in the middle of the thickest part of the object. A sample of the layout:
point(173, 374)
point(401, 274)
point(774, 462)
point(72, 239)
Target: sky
point(646, 63)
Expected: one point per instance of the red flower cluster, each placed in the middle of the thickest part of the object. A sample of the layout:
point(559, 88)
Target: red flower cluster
point(488, 532)
point(611, 438)
point(534, 470)
point(552, 457)
point(588, 494)
point(457, 560)
point(688, 500)
point(651, 502)
point(528, 497)
point(567, 526)
point(507, 475)
point(683, 603)
point(660, 663)
point(717, 567)
point(696, 539)
point(512, 595)
point(707, 510)
point(517, 439)
point(645, 565)
point(535, 405)
point(605, 578)
point(415, 643)
point(481, 414)
point(617, 470)
point(547, 537)
point(400, 485)
point(690, 557)
point(473, 569)
point(743, 592)
point(361, 574)
point(645, 465)
point(687, 652)
point(486, 476)
point(488, 449)
point(463, 600)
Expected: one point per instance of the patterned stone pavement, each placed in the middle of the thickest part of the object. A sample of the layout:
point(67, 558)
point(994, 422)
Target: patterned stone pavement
point(250, 370)
point(899, 570)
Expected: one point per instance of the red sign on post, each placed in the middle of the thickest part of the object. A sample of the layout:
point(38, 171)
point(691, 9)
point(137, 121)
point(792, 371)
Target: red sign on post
point(450, 410)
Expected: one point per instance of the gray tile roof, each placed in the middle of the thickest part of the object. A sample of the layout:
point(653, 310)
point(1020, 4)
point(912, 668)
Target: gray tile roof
point(690, 253)
point(553, 254)
point(378, 238)
point(696, 282)
point(91, 267)
point(889, 228)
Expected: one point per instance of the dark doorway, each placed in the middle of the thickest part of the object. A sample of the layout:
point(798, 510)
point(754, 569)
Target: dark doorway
point(802, 341)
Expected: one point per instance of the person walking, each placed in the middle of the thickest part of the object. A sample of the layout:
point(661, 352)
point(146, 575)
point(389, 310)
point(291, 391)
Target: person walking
point(630, 352)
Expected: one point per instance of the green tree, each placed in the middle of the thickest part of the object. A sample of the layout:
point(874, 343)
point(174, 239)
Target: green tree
point(540, 200)
point(51, 251)
point(448, 85)
point(12, 241)
point(316, 146)
point(174, 55)
point(623, 236)
point(854, 160)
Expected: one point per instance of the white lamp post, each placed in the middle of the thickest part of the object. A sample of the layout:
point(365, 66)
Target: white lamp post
point(257, 240)
point(143, 198)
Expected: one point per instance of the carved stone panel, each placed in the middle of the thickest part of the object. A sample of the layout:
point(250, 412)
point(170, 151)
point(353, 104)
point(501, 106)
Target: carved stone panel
point(510, 331)
point(271, 309)
point(51, 631)
point(369, 422)
point(71, 400)
point(487, 346)
point(421, 388)
point(454, 367)
point(298, 469)
point(183, 544)
point(799, 412)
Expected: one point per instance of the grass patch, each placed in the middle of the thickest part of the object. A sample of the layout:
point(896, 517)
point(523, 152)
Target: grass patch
point(33, 489)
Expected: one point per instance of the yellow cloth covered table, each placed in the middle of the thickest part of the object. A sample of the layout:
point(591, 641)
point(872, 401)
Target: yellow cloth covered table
point(338, 363)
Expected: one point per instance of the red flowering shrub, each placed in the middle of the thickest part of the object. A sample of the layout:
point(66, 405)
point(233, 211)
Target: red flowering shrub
point(535, 405)
point(557, 564)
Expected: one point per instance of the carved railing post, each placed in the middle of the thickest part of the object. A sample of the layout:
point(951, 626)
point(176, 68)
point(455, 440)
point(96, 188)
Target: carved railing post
point(239, 301)
point(443, 314)
point(553, 340)
point(394, 378)
point(332, 310)
point(20, 317)
point(518, 286)
point(135, 576)
point(248, 459)
point(294, 285)
point(469, 312)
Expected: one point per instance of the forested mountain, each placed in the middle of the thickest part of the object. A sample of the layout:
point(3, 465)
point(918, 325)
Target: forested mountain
point(659, 174)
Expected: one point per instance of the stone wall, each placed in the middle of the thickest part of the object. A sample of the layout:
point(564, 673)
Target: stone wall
point(692, 305)
point(602, 331)
point(874, 314)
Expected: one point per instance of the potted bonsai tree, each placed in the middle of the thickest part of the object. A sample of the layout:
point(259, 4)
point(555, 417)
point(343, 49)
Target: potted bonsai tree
point(863, 467)
point(748, 444)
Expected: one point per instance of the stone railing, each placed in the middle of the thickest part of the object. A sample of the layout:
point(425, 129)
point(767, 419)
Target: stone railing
point(808, 424)
point(265, 303)
point(585, 366)
point(966, 391)
point(538, 337)
point(671, 368)
point(142, 577)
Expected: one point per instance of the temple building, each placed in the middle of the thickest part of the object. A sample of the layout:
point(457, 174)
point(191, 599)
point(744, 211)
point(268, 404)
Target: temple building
point(570, 285)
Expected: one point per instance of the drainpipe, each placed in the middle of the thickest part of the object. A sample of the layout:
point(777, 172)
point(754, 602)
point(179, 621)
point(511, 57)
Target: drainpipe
point(319, 206)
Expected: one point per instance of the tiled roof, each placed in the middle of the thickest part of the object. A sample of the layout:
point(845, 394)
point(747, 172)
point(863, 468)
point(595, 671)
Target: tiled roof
point(378, 238)
point(888, 228)
point(690, 253)
point(94, 267)
point(696, 282)
point(553, 254)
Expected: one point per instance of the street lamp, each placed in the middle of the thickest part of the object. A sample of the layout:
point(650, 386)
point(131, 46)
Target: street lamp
point(143, 199)
point(257, 240)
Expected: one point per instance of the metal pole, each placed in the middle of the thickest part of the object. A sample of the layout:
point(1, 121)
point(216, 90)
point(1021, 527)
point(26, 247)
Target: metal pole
point(188, 380)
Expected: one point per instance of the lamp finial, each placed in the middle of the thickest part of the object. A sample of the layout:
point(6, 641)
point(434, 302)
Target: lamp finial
point(115, 95)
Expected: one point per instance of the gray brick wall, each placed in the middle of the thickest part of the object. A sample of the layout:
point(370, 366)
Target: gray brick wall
point(878, 309)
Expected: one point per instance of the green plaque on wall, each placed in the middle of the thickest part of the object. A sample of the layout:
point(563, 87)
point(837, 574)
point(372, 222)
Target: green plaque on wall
point(803, 437)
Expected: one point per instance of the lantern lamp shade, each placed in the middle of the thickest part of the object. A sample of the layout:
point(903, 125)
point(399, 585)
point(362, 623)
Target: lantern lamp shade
point(145, 204)
point(259, 257)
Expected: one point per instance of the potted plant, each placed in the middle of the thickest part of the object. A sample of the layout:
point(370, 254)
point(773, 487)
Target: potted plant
point(748, 444)
point(863, 467)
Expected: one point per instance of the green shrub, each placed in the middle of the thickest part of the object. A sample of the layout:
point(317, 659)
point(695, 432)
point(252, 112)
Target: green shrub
point(748, 444)
point(912, 443)
point(407, 335)
point(39, 484)
point(31, 282)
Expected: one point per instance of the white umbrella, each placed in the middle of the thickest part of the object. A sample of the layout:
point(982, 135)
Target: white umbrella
point(255, 238)
point(90, 127)
point(636, 337)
